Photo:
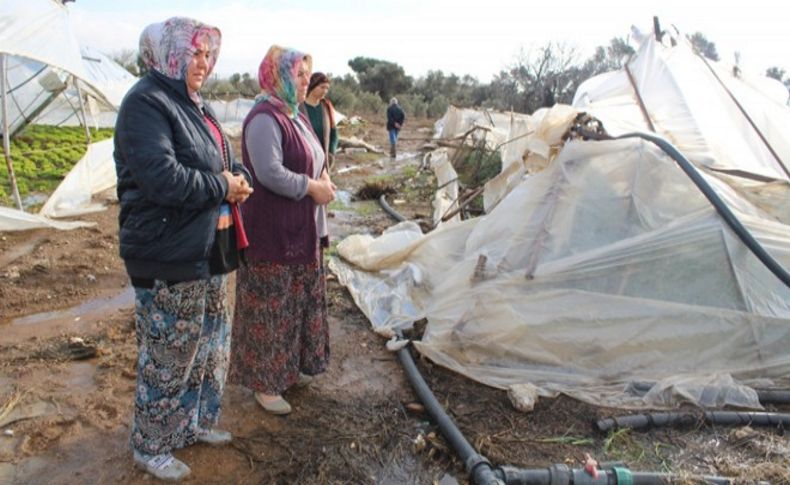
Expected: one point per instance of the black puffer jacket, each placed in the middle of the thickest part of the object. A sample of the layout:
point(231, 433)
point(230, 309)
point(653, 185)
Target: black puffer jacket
point(170, 185)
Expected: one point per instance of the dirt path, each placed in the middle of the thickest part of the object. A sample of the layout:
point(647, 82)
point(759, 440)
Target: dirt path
point(353, 425)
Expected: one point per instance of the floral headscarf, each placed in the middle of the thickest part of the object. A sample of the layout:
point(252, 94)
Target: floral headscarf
point(277, 77)
point(167, 47)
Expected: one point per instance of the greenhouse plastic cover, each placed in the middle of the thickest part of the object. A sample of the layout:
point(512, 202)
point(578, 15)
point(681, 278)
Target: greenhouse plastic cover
point(40, 30)
point(106, 84)
point(688, 106)
point(43, 53)
point(15, 220)
point(94, 173)
point(607, 269)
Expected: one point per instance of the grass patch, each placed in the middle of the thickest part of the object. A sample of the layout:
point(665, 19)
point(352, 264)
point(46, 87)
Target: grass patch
point(569, 440)
point(367, 207)
point(364, 157)
point(331, 251)
point(409, 171)
point(621, 445)
point(337, 205)
point(43, 155)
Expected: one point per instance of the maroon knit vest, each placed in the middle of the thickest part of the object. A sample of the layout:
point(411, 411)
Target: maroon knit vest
point(280, 229)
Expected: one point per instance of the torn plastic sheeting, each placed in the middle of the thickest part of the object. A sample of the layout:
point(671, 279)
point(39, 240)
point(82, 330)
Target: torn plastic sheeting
point(688, 106)
point(516, 143)
point(633, 274)
point(391, 298)
point(589, 345)
point(16, 220)
point(773, 197)
point(23, 24)
point(94, 173)
point(501, 185)
point(457, 121)
point(714, 391)
point(447, 181)
point(384, 299)
point(390, 248)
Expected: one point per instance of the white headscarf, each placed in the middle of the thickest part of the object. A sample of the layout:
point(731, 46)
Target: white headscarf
point(167, 47)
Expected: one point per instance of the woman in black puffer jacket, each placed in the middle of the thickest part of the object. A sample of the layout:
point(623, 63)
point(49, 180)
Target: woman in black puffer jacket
point(180, 236)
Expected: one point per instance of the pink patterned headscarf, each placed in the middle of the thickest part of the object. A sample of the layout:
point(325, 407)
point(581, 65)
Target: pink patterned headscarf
point(277, 77)
point(167, 47)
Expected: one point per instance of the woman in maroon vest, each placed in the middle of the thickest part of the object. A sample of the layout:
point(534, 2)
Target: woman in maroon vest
point(280, 335)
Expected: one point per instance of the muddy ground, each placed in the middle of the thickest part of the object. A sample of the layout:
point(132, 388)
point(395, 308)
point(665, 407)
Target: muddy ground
point(65, 403)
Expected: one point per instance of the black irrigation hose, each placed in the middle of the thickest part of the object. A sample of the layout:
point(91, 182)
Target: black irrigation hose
point(724, 211)
point(561, 474)
point(773, 396)
point(480, 469)
point(482, 472)
point(389, 210)
point(730, 418)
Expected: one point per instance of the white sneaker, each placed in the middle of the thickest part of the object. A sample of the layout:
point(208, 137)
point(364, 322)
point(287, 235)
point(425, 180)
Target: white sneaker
point(214, 437)
point(164, 467)
point(304, 380)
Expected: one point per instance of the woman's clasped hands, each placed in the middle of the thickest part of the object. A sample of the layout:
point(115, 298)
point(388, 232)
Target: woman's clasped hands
point(238, 188)
point(322, 190)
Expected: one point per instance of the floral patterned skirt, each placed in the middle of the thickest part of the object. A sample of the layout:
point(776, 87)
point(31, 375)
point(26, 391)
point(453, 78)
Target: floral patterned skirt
point(281, 325)
point(183, 338)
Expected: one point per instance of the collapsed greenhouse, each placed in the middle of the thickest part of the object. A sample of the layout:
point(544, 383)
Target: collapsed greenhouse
point(610, 270)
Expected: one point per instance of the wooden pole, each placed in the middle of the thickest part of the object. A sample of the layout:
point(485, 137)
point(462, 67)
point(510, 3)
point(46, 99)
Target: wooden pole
point(82, 109)
point(6, 135)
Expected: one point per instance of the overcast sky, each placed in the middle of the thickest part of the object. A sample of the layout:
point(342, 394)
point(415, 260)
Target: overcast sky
point(457, 36)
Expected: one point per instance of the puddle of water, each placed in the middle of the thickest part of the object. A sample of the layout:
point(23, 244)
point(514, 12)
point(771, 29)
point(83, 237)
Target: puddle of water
point(344, 217)
point(91, 307)
point(8, 471)
point(347, 222)
point(79, 377)
point(34, 199)
point(407, 156)
point(344, 197)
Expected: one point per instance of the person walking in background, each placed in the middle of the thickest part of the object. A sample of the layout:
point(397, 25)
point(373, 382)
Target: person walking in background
point(281, 335)
point(395, 120)
point(321, 113)
point(180, 235)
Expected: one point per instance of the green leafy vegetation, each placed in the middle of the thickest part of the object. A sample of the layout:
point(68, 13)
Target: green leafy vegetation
point(331, 251)
point(477, 165)
point(43, 155)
